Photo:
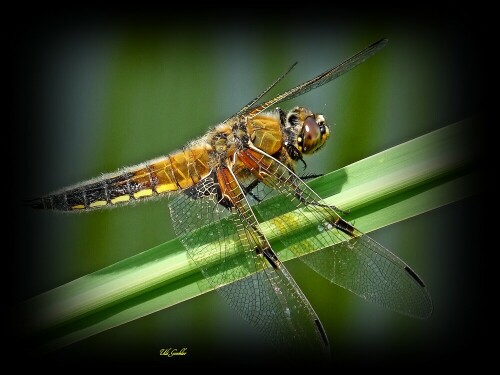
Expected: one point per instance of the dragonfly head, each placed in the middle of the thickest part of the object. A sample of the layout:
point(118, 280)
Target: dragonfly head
point(312, 130)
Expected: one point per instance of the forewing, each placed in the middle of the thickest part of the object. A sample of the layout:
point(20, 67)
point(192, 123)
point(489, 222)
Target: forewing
point(223, 238)
point(346, 256)
point(317, 81)
point(207, 231)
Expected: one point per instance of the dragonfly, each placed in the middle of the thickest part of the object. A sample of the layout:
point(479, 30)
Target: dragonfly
point(222, 190)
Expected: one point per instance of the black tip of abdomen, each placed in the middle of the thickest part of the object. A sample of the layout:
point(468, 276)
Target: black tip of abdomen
point(34, 203)
point(52, 202)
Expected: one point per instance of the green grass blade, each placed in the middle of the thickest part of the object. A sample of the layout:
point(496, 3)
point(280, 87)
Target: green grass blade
point(396, 184)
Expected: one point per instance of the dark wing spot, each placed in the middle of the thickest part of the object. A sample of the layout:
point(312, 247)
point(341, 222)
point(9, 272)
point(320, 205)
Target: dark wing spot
point(414, 276)
point(321, 331)
point(344, 226)
point(270, 257)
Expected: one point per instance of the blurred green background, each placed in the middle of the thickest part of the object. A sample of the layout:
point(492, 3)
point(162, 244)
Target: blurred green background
point(96, 94)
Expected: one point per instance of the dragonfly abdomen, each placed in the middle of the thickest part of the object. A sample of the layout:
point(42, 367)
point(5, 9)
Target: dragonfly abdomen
point(160, 176)
point(106, 190)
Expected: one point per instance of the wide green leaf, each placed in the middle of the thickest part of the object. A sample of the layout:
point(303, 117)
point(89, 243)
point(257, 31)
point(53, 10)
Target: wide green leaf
point(396, 184)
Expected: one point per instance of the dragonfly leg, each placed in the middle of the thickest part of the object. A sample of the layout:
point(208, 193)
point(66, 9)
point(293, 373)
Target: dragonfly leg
point(339, 211)
point(300, 196)
point(294, 153)
point(248, 189)
point(310, 176)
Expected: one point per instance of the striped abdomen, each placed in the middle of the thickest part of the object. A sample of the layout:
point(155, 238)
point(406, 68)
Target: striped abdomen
point(174, 172)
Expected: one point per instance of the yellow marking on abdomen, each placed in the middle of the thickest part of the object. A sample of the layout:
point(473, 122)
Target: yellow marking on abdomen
point(98, 204)
point(121, 198)
point(78, 207)
point(165, 187)
point(143, 193)
point(180, 170)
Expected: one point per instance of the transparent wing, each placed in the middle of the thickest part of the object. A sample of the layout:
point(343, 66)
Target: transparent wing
point(346, 256)
point(255, 100)
point(216, 225)
point(317, 81)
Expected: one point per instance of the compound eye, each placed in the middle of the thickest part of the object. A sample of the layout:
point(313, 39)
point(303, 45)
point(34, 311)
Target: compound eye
point(313, 135)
